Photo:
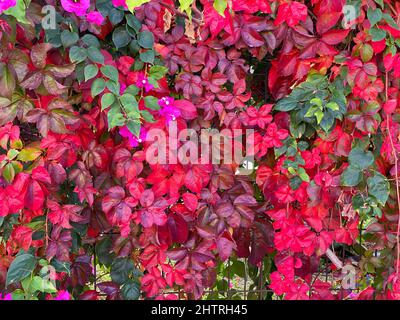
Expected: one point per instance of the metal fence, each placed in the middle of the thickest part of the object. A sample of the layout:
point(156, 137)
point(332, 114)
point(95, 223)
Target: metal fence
point(247, 287)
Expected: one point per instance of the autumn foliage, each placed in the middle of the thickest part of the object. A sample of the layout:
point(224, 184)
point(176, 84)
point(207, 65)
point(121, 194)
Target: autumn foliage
point(84, 214)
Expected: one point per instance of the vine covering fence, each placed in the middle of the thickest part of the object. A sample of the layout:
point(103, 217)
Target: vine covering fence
point(199, 149)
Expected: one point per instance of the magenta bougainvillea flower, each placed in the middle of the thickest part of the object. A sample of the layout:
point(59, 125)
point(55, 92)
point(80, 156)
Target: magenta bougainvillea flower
point(133, 141)
point(78, 7)
point(7, 4)
point(143, 82)
point(62, 295)
point(168, 110)
point(8, 295)
point(119, 3)
point(95, 17)
point(166, 102)
point(122, 88)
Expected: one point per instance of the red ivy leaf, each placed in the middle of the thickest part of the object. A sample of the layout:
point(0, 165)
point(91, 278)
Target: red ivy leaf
point(22, 236)
point(334, 36)
point(190, 201)
point(292, 12)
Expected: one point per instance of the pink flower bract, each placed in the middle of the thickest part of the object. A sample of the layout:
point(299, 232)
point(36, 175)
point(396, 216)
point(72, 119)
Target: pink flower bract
point(7, 4)
point(95, 17)
point(63, 295)
point(119, 3)
point(79, 8)
point(143, 82)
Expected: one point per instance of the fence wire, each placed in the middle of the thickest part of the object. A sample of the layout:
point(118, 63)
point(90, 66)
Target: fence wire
point(257, 288)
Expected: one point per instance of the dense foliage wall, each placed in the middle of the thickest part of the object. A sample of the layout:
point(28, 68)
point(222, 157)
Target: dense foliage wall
point(86, 214)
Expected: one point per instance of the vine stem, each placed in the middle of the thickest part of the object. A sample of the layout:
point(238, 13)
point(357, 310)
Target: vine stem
point(397, 181)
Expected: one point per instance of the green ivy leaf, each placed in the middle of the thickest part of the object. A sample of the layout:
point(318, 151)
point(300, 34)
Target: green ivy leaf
point(350, 177)
point(104, 252)
point(53, 37)
point(379, 187)
point(132, 89)
point(153, 82)
point(107, 100)
point(29, 154)
point(358, 202)
point(61, 266)
point(115, 117)
point(295, 182)
point(374, 16)
point(319, 115)
point(130, 105)
point(18, 295)
point(77, 54)
point(360, 159)
point(116, 16)
point(158, 72)
point(110, 72)
point(91, 41)
point(220, 6)
point(138, 65)
point(121, 37)
point(12, 154)
point(90, 71)
point(303, 145)
point(98, 87)
point(42, 285)
point(147, 56)
point(113, 86)
point(327, 121)
point(133, 22)
point(95, 55)
point(316, 101)
point(7, 82)
point(146, 39)
point(18, 11)
point(303, 175)
point(151, 103)
point(377, 34)
point(147, 116)
point(9, 172)
point(377, 212)
point(366, 52)
point(134, 127)
point(69, 38)
point(134, 47)
point(390, 21)
point(131, 290)
point(121, 269)
point(380, 2)
point(311, 111)
point(185, 5)
point(333, 106)
point(285, 104)
point(20, 268)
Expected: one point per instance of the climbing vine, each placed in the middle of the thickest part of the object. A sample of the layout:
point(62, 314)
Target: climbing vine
point(311, 88)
